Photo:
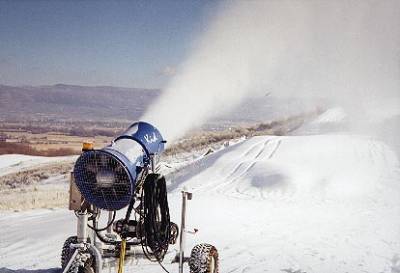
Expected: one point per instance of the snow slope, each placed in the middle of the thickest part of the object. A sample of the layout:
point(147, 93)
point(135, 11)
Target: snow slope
point(323, 203)
point(313, 203)
point(14, 162)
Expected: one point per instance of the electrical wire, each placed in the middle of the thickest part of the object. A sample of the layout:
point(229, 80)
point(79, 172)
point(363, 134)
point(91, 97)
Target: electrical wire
point(162, 266)
point(155, 218)
point(106, 227)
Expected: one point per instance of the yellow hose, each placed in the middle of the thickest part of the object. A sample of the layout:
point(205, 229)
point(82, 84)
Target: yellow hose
point(122, 257)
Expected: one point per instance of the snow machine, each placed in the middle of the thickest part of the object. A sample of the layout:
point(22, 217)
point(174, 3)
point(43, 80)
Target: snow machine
point(120, 179)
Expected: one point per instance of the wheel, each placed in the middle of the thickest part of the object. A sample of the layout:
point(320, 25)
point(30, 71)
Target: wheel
point(66, 254)
point(204, 259)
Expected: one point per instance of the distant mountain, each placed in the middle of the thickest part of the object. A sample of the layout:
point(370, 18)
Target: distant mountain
point(73, 102)
point(62, 102)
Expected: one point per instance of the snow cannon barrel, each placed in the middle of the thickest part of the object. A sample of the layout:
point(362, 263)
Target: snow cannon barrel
point(107, 177)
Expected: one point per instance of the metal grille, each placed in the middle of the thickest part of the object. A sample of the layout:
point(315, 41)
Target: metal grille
point(103, 180)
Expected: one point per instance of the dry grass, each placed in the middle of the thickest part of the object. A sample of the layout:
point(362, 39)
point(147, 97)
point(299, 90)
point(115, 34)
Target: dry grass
point(26, 149)
point(34, 175)
point(54, 142)
point(24, 189)
point(34, 197)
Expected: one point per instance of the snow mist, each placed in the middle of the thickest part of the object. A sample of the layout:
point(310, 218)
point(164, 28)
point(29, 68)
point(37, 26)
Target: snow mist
point(344, 51)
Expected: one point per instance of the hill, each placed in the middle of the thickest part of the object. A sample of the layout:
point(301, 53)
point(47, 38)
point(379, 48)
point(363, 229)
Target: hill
point(62, 102)
point(73, 102)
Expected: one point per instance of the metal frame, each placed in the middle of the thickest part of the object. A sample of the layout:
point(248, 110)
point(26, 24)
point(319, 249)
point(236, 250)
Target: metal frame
point(93, 248)
point(182, 238)
point(83, 245)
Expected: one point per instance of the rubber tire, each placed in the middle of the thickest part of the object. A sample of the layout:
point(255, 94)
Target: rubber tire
point(66, 254)
point(204, 259)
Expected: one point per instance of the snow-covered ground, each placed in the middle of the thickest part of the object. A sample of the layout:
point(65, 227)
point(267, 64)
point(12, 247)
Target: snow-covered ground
point(315, 203)
point(300, 204)
point(15, 162)
point(34, 181)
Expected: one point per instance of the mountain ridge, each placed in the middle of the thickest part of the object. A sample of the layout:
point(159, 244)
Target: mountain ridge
point(65, 102)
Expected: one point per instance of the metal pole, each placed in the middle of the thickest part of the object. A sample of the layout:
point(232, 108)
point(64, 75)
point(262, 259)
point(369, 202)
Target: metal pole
point(98, 258)
point(81, 230)
point(181, 235)
point(153, 164)
point(110, 216)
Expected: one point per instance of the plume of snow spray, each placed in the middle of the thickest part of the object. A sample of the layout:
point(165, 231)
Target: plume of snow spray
point(345, 51)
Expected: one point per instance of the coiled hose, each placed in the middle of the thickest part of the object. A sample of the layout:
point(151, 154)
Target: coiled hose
point(156, 229)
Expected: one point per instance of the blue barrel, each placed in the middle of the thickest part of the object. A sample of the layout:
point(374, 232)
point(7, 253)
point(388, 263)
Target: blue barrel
point(107, 177)
point(146, 135)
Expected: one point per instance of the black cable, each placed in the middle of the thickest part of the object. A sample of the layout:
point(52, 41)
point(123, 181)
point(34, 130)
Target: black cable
point(162, 266)
point(106, 227)
point(155, 219)
point(104, 240)
point(112, 242)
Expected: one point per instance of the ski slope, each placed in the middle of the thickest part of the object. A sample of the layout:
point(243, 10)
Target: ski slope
point(320, 203)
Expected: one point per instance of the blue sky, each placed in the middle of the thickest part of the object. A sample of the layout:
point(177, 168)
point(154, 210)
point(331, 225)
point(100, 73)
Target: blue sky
point(120, 43)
